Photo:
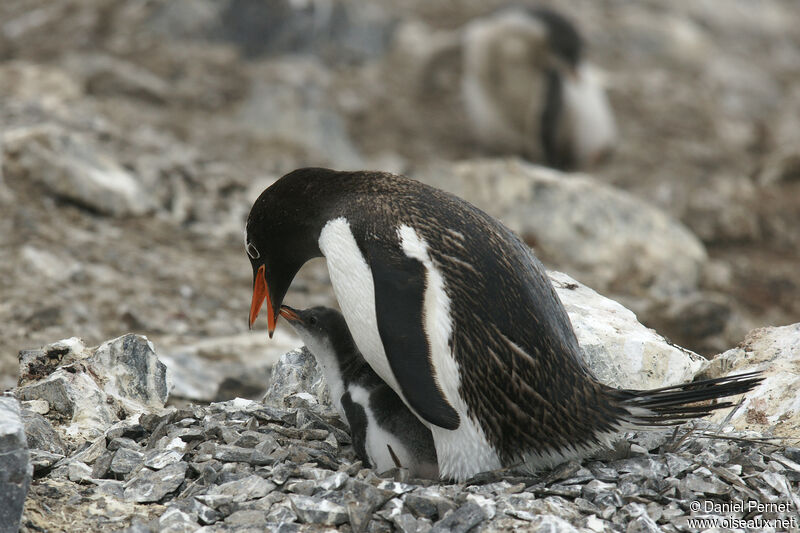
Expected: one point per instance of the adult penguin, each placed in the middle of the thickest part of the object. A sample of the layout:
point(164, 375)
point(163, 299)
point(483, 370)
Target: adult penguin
point(528, 89)
point(453, 311)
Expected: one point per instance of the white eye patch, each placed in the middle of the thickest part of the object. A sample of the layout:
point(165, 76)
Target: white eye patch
point(252, 251)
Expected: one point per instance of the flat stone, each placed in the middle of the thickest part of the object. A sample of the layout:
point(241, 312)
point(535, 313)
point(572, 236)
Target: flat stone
point(151, 486)
point(234, 454)
point(41, 434)
point(407, 523)
point(311, 510)
point(123, 442)
point(251, 520)
point(241, 490)
point(126, 460)
point(461, 520)
point(43, 460)
point(158, 459)
point(176, 521)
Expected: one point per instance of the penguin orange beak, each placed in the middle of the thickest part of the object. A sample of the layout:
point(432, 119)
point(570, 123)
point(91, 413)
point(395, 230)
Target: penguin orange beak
point(261, 293)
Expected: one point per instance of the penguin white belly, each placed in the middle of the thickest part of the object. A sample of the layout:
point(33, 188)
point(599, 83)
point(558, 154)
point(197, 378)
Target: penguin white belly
point(592, 122)
point(378, 439)
point(462, 452)
point(352, 283)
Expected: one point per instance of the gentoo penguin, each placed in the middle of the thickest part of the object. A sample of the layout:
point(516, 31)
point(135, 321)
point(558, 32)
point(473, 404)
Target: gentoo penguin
point(453, 311)
point(528, 89)
point(385, 433)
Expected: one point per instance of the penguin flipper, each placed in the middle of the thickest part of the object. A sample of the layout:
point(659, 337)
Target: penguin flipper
point(357, 419)
point(399, 301)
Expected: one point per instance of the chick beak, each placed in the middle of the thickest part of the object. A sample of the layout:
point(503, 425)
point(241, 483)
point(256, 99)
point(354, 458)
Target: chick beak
point(261, 293)
point(289, 314)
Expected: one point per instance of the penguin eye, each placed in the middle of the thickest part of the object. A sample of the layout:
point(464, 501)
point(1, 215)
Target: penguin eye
point(312, 321)
point(252, 251)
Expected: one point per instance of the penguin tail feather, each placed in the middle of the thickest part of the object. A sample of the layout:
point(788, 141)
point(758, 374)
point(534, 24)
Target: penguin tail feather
point(676, 404)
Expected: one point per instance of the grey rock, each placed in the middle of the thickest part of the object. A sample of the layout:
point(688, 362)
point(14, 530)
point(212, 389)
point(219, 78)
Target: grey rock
point(15, 466)
point(693, 483)
point(41, 434)
point(70, 166)
point(151, 486)
point(43, 460)
point(102, 465)
point(247, 520)
point(158, 459)
point(92, 388)
point(106, 75)
point(215, 501)
point(775, 352)
point(298, 102)
point(123, 442)
point(334, 482)
point(249, 488)
point(205, 514)
point(176, 521)
point(311, 510)
point(131, 370)
point(296, 371)
point(306, 487)
point(422, 506)
point(642, 524)
point(232, 454)
point(281, 514)
point(126, 460)
point(620, 351)
point(551, 524)
point(461, 520)
point(596, 488)
point(79, 472)
point(407, 523)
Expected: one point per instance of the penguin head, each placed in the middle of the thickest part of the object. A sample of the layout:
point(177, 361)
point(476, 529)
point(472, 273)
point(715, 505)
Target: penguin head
point(281, 235)
point(325, 333)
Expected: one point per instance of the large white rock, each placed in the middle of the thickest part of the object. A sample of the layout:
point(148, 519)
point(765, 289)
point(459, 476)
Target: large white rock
point(69, 166)
point(617, 347)
point(605, 237)
point(92, 388)
point(774, 406)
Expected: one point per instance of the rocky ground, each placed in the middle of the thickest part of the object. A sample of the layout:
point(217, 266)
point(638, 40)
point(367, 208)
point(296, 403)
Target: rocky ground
point(134, 137)
point(92, 443)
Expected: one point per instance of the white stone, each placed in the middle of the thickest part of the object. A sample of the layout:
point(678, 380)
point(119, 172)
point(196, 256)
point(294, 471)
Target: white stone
point(90, 386)
point(774, 405)
point(617, 347)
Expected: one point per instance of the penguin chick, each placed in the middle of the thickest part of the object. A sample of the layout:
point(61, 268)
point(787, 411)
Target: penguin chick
point(385, 433)
point(528, 90)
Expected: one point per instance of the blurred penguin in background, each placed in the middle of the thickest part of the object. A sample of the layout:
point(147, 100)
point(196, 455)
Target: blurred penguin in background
point(528, 89)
